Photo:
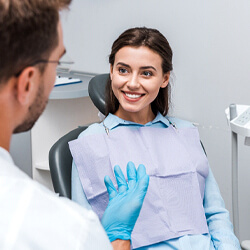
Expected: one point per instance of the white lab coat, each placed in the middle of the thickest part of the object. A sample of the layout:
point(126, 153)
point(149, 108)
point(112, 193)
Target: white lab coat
point(33, 217)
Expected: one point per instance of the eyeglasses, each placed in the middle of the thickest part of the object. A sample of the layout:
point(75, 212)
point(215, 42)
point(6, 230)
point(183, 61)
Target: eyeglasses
point(62, 65)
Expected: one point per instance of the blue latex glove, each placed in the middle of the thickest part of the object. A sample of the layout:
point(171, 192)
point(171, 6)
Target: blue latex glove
point(125, 204)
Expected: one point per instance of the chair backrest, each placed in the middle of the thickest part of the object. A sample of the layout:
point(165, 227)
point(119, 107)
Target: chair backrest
point(60, 163)
point(60, 159)
point(97, 86)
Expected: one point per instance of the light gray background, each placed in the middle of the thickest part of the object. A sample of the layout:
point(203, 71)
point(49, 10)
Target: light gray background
point(20, 150)
point(210, 40)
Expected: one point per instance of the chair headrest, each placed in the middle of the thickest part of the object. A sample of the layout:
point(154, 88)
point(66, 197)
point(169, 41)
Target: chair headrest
point(96, 89)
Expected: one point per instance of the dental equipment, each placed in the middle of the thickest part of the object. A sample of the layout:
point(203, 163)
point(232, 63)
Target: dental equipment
point(239, 120)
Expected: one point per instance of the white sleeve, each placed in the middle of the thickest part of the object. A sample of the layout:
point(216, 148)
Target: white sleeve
point(35, 218)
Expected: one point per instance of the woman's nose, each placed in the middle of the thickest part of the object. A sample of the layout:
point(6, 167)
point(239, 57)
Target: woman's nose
point(133, 82)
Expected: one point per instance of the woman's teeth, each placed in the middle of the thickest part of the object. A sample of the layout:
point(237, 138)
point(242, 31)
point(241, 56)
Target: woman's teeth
point(132, 96)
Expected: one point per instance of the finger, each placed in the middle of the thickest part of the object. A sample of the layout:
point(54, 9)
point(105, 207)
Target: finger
point(143, 186)
point(143, 181)
point(121, 181)
point(110, 187)
point(131, 172)
point(141, 171)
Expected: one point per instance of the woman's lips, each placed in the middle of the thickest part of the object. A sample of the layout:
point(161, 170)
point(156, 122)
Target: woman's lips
point(132, 96)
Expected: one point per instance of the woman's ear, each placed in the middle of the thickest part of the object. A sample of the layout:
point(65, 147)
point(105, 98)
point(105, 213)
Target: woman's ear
point(165, 80)
point(111, 72)
point(25, 85)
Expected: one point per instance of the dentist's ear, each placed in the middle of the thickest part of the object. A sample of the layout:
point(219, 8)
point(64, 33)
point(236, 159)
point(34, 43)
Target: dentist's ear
point(24, 86)
point(166, 80)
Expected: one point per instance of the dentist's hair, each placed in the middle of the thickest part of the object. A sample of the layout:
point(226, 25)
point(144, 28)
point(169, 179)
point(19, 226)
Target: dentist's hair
point(28, 32)
point(154, 40)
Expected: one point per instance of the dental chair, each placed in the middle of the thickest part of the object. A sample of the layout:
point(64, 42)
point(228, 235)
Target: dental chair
point(97, 87)
point(60, 163)
point(60, 159)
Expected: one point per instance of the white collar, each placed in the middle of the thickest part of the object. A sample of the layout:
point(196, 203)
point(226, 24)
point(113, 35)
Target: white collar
point(4, 154)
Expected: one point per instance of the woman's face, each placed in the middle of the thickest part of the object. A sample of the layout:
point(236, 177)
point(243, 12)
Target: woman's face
point(136, 78)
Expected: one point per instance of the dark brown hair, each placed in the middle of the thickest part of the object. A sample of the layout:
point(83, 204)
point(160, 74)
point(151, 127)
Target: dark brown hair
point(155, 41)
point(28, 33)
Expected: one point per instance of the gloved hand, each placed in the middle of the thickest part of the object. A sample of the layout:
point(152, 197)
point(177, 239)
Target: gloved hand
point(125, 204)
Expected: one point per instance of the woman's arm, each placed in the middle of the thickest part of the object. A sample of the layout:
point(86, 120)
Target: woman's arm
point(218, 220)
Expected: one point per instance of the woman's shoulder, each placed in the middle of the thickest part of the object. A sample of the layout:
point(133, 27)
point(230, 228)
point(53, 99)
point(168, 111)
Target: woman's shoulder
point(95, 128)
point(180, 123)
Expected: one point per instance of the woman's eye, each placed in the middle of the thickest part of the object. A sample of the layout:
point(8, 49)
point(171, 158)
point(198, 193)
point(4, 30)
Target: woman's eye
point(122, 70)
point(147, 73)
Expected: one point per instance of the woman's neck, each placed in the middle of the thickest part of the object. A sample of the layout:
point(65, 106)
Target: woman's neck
point(142, 117)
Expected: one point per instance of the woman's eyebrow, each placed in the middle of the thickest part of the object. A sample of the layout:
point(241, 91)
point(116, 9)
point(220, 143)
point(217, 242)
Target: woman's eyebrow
point(123, 64)
point(148, 67)
point(144, 67)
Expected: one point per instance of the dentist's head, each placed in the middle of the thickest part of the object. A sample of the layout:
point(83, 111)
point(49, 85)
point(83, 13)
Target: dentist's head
point(31, 45)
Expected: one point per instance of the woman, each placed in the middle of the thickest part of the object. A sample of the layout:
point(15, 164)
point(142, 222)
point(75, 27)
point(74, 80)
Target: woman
point(183, 208)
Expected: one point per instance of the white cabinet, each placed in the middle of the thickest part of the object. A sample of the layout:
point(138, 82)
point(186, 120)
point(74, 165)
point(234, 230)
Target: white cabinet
point(68, 107)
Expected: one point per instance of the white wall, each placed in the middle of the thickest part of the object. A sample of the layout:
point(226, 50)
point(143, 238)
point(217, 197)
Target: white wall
point(210, 40)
